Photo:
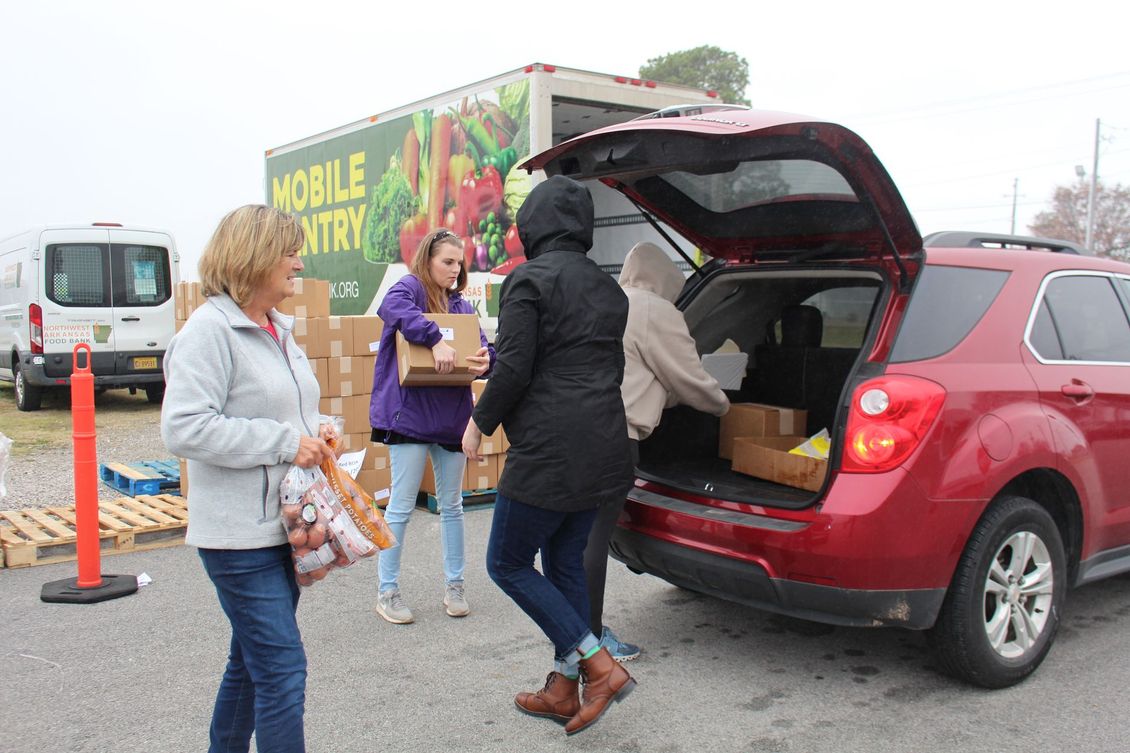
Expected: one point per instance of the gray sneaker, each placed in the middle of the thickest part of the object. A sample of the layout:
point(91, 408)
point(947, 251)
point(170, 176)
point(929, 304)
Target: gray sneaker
point(392, 607)
point(455, 601)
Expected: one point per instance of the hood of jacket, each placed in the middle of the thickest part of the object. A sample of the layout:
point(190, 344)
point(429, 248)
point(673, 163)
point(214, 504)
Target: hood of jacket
point(647, 267)
point(556, 216)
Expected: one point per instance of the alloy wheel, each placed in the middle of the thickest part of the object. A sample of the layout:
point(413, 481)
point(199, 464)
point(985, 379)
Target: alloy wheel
point(1018, 594)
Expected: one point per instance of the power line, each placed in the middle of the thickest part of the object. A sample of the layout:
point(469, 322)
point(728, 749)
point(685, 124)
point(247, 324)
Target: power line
point(982, 206)
point(993, 100)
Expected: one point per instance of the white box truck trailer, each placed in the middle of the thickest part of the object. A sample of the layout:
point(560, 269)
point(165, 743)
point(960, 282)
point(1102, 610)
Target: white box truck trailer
point(368, 191)
point(102, 284)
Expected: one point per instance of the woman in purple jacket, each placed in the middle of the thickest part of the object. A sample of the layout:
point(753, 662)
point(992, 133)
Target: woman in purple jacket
point(418, 422)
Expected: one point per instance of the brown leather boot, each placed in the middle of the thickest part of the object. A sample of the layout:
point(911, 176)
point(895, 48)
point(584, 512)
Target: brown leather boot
point(605, 681)
point(558, 700)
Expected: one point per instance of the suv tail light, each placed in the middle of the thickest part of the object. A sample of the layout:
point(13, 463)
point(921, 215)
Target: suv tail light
point(889, 416)
point(35, 319)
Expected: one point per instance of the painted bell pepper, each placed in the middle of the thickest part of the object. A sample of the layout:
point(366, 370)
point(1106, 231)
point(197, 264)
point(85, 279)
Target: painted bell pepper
point(412, 232)
point(458, 167)
point(512, 243)
point(490, 191)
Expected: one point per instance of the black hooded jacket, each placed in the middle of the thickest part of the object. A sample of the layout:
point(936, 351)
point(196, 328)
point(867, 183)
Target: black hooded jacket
point(555, 387)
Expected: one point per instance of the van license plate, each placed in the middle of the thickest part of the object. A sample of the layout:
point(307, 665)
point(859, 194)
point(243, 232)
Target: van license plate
point(149, 362)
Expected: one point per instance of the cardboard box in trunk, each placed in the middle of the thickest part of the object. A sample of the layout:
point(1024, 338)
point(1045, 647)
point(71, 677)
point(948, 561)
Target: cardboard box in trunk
point(757, 420)
point(769, 458)
point(418, 367)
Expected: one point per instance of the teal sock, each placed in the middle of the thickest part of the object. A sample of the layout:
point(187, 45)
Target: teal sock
point(588, 646)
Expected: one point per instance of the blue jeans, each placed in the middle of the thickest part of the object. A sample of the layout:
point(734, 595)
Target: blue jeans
point(263, 689)
point(407, 471)
point(558, 600)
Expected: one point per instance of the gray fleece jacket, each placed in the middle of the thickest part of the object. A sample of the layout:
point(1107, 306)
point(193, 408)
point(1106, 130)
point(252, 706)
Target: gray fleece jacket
point(661, 364)
point(236, 402)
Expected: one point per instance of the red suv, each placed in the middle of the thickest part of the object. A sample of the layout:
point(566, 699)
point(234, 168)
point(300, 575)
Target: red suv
point(977, 399)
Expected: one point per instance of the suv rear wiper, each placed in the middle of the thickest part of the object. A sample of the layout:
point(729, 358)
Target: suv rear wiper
point(647, 216)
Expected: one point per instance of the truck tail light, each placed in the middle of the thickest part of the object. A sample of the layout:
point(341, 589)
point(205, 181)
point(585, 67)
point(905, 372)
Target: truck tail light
point(889, 417)
point(35, 320)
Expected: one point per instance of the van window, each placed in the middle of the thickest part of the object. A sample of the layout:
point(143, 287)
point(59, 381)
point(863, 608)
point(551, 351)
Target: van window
point(141, 275)
point(77, 274)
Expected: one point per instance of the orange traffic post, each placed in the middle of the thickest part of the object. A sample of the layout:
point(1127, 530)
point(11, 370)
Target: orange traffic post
point(91, 585)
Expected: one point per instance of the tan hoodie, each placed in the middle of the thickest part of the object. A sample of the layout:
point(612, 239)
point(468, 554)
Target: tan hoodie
point(662, 366)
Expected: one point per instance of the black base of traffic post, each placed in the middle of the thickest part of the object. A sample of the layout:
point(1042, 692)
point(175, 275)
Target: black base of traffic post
point(66, 591)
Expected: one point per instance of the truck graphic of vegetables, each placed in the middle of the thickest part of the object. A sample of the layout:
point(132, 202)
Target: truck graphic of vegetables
point(456, 169)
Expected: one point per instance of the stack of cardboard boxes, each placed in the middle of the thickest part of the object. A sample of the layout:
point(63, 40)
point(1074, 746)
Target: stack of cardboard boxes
point(342, 352)
point(482, 474)
point(757, 439)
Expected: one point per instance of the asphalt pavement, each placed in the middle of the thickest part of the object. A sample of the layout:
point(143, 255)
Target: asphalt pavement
point(140, 673)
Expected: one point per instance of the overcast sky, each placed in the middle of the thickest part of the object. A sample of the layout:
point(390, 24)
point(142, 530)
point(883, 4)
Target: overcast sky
point(136, 113)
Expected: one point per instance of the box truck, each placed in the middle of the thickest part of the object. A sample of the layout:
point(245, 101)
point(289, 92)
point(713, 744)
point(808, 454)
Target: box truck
point(102, 284)
point(368, 191)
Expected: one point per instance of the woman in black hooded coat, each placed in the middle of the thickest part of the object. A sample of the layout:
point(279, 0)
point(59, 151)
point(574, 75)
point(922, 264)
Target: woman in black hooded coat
point(556, 391)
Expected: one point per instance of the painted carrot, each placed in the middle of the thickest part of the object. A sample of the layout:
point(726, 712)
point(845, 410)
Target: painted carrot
point(441, 153)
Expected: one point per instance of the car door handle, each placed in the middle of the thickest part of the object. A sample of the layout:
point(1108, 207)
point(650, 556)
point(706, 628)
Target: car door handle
point(1077, 390)
point(131, 318)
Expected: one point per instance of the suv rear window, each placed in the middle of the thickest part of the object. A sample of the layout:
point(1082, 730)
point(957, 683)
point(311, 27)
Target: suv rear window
point(751, 183)
point(1081, 319)
point(946, 304)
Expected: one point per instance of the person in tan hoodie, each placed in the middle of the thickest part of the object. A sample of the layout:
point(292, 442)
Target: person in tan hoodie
point(662, 368)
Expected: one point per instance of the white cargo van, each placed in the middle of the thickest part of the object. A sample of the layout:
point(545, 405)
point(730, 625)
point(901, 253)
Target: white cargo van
point(103, 284)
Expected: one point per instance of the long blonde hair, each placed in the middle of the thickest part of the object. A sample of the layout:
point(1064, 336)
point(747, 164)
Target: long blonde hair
point(438, 297)
point(246, 246)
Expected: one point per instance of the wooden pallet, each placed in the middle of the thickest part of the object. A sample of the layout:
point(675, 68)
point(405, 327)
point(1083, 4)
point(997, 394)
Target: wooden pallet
point(479, 499)
point(142, 477)
point(128, 524)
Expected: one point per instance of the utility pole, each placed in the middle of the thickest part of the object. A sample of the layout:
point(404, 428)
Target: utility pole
point(1091, 193)
point(1015, 184)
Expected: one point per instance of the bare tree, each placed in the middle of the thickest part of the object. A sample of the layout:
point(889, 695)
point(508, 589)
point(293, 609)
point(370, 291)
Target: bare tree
point(1067, 218)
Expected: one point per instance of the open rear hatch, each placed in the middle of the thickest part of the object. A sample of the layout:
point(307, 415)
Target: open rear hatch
point(750, 186)
point(802, 198)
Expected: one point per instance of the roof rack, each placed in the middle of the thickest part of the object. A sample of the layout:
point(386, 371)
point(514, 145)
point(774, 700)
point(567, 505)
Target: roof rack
point(699, 108)
point(964, 239)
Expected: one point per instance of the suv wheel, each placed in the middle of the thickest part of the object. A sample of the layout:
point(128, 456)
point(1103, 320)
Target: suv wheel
point(1001, 613)
point(155, 393)
point(28, 396)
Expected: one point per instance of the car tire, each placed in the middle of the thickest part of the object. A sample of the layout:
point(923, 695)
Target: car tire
point(155, 393)
point(28, 396)
point(1001, 613)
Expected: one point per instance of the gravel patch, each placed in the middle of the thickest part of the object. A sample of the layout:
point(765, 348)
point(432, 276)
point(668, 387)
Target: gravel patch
point(126, 433)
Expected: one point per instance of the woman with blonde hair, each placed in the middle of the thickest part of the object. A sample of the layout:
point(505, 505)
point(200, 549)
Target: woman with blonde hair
point(421, 422)
point(241, 405)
